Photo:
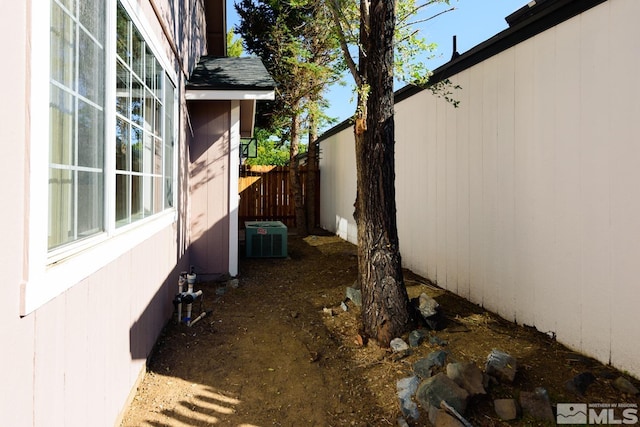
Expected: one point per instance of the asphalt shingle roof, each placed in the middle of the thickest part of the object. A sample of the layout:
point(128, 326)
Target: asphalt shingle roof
point(230, 73)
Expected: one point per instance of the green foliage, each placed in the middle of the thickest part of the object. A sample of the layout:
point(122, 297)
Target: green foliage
point(296, 43)
point(234, 45)
point(411, 51)
point(444, 89)
point(271, 151)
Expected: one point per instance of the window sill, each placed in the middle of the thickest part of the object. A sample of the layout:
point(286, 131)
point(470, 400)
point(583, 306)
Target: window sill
point(63, 272)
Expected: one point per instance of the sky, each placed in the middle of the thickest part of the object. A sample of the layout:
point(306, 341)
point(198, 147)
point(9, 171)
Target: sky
point(472, 21)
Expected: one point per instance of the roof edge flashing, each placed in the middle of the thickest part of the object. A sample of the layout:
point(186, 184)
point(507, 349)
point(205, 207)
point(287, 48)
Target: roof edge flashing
point(228, 95)
point(554, 13)
point(527, 11)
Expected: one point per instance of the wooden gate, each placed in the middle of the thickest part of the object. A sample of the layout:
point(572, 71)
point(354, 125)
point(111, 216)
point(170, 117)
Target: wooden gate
point(265, 194)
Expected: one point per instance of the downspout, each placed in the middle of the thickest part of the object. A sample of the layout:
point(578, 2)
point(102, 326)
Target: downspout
point(234, 197)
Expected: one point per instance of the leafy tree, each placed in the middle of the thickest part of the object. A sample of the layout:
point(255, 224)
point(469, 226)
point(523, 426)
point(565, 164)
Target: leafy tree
point(378, 41)
point(294, 43)
point(381, 31)
point(234, 45)
point(271, 152)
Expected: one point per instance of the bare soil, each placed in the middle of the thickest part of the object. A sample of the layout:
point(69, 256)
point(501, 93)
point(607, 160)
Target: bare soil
point(271, 353)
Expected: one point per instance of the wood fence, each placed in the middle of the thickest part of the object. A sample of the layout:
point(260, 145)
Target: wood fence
point(265, 194)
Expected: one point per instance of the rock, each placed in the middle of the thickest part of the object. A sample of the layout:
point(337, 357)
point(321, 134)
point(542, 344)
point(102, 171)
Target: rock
point(506, 409)
point(398, 345)
point(435, 323)
point(416, 337)
point(408, 383)
point(468, 376)
point(433, 414)
point(221, 291)
point(429, 309)
point(355, 295)
point(437, 358)
point(437, 341)
point(327, 311)
point(361, 340)
point(578, 384)
point(233, 283)
point(428, 306)
point(501, 365)
point(422, 368)
point(438, 388)
point(402, 422)
point(624, 385)
point(406, 389)
point(443, 419)
point(452, 411)
point(607, 373)
point(344, 306)
point(537, 405)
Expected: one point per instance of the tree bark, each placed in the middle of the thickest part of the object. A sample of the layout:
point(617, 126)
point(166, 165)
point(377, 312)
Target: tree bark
point(310, 179)
point(294, 177)
point(385, 305)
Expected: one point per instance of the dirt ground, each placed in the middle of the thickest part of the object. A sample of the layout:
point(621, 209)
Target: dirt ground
point(270, 354)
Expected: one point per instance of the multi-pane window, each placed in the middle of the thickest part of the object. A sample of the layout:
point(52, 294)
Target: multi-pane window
point(144, 146)
point(139, 183)
point(76, 130)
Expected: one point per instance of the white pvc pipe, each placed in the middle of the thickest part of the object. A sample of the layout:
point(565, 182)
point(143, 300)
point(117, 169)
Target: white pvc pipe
point(202, 315)
point(195, 296)
point(181, 281)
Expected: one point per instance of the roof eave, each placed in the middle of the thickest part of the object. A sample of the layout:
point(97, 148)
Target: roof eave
point(229, 95)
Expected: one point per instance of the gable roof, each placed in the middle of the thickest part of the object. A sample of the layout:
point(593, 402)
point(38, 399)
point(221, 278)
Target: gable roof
point(230, 76)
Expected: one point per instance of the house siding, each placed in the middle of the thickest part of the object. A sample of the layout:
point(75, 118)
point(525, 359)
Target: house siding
point(525, 198)
point(209, 177)
point(17, 334)
point(75, 360)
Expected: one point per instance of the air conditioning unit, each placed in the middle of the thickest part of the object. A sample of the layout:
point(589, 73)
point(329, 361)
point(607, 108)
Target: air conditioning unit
point(265, 239)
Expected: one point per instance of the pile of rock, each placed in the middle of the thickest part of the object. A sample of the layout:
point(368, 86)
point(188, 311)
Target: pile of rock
point(444, 390)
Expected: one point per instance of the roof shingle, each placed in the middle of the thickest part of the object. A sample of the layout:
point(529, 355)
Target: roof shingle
point(230, 73)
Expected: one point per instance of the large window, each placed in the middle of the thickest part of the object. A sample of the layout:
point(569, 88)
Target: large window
point(138, 182)
point(144, 147)
point(76, 130)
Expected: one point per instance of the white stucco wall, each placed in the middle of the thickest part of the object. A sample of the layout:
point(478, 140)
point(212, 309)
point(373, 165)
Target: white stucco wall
point(525, 199)
point(338, 184)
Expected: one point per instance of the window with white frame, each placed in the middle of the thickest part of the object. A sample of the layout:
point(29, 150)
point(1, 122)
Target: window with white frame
point(138, 183)
point(144, 148)
point(105, 158)
point(76, 125)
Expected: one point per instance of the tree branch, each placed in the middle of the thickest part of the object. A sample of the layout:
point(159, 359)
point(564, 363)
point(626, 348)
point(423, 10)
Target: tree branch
point(351, 64)
point(408, 24)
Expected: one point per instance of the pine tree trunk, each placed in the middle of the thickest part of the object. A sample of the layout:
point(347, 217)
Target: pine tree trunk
point(385, 304)
point(294, 178)
point(310, 179)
